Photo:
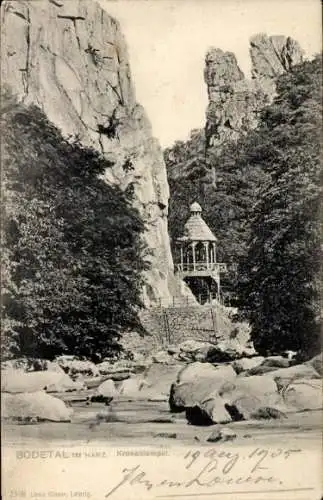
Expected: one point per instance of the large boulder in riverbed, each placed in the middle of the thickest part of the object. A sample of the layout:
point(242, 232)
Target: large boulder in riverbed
point(196, 382)
point(17, 381)
point(210, 411)
point(158, 378)
point(228, 350)
point(34, 406)
point(304, 394)
point(131, 387)
point(247, 396)
point(242, 399)
point(285, 376)
point(245, 364)
point(259, 370)
point(276, 362)
point(107, 389)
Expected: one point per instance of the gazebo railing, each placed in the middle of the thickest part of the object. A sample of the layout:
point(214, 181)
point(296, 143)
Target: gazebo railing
point(218, 267)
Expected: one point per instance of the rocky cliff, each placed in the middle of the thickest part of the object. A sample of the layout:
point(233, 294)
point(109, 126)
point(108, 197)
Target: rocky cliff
point(234, 100)
point(70, 58)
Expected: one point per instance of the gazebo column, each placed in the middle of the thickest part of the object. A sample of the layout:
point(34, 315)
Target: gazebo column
point(182, 258)
point(214, 252)
point(193, 252)
point(206, 246)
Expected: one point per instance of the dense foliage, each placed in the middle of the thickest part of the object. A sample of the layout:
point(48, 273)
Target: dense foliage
point(72, 244)
point(261, 198)
point(280, 286)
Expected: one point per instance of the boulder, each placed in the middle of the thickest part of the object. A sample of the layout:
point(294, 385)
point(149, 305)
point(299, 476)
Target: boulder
point(247, 395)
point(316, 363)
point(267, 412)
point(173, 349)
point(223, 434)
point(163, 357)
point(245, 364)
point(34, 406)
point(198, 370)
point(53, 366)
point(195, 346)
point(92, 382)
point(285, 376)
point(131, 387)
point(158, 379)
point(121, 370)
point(259, 370)
point(76, 367)
point(276, 361)
point(196, 382)
point(226, 350)
point(107, 389)
point(158, 398)
point(210, 411)
point(170, 435)
point(241, 399)
point(304, 394)
point(185, 357)
point(16, 381)
point(196, 415)
point(31, 365)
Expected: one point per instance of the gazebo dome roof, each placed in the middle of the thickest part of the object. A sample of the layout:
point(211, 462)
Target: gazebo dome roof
point(196, 228)
point(195, 207)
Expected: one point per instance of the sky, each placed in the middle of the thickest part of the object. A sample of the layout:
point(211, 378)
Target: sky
point(168, 39)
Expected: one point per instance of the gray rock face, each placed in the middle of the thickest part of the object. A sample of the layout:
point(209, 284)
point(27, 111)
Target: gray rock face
point(272, 56)
point(69, 57)
point(235, 101)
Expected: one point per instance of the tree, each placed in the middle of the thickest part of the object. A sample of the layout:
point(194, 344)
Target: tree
point(280, 283)
point(72, 243)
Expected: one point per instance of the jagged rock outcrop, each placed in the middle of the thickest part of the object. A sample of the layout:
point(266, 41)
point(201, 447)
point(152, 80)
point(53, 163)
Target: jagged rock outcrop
point(70, 58)
point(235, 101)
point(272, 56)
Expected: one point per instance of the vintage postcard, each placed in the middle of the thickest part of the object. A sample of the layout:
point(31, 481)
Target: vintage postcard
point(161, 249)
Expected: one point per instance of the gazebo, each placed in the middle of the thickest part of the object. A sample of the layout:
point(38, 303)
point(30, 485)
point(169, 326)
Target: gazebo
point(197, 252)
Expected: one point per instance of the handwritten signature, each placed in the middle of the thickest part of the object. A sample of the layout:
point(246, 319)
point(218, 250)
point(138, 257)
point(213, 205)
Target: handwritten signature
point(213, 467)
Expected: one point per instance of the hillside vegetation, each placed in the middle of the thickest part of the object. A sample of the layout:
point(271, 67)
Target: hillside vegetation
point(261, 197)
point(72, 250)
